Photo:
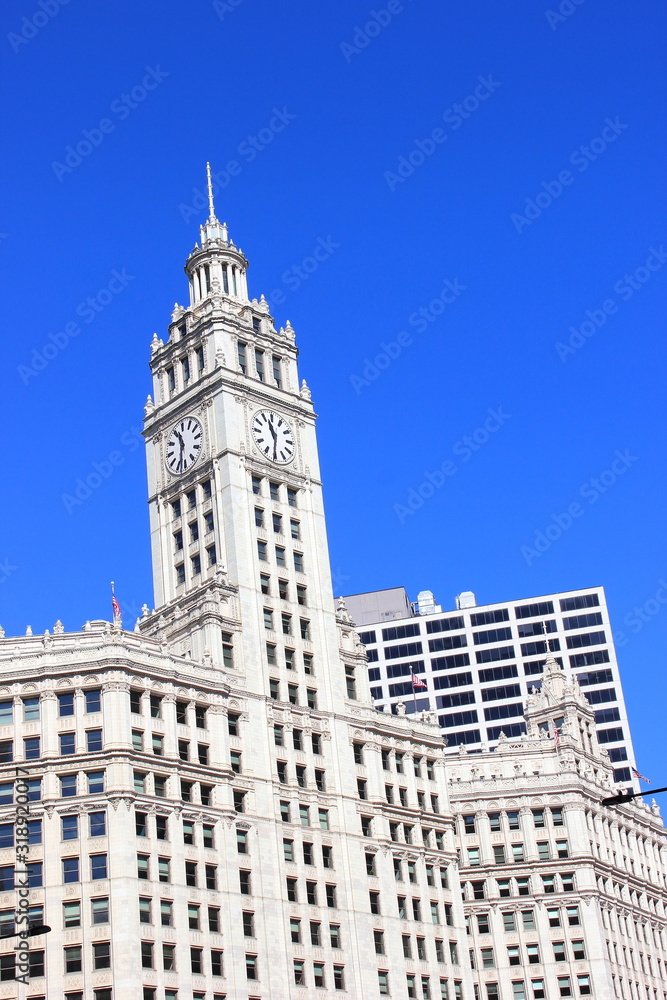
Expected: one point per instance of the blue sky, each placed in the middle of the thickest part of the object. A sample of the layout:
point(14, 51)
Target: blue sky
point(487, 181)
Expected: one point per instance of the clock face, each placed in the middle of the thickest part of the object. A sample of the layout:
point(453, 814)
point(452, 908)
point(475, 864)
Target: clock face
point(184, 445)
point(273, 436)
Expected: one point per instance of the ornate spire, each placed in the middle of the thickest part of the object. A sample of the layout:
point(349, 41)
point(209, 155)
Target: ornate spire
point(209, 187)
point(216, 266)
point(212, 229)
point(554, 680)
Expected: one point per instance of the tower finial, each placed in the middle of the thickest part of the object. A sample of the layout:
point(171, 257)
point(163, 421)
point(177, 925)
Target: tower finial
point(209, 184)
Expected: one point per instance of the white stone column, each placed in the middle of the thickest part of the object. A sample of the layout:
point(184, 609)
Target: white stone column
point(116, 715)
point(48, 711)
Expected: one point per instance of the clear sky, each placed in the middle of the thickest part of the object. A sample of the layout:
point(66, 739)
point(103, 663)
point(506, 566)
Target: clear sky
point(484, 185)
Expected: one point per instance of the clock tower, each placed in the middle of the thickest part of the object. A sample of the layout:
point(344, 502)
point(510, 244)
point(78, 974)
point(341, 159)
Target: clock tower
point(237, 522)
point(243, 600)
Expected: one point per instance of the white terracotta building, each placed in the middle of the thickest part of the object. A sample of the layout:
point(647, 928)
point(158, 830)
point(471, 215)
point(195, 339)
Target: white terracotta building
point(208, 806)
point(564, 897)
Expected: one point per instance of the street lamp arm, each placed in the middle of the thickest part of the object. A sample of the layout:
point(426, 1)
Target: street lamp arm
point(617, 800)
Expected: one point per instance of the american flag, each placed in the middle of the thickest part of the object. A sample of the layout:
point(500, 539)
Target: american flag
point(114, 603)
point(555, 733)
point(639, 776)
point(417, 682)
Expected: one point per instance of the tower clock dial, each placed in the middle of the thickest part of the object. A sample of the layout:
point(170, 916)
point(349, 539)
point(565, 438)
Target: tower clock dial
point(184, 445)
point(273, 436)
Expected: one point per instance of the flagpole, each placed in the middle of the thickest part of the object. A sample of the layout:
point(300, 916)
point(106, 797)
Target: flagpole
point(117, 620)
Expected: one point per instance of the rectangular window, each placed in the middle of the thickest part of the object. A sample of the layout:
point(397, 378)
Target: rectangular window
point(578, 951)
point(34, 874)
point(196, 961)
point(499, 854)
point(93, 700)
point(70, 868)
point(30, 709)
point(66, 741)
point(71, 914)
point(97, 824)
point(102, 955)
point(144, 910)
point(146, 954)
point(242, 355)
point(72, 958)
point(93, 740)
point(275, 368)
point(65, 704)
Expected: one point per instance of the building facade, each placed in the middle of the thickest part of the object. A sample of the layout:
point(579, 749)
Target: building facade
point(213, 807)
point(564, 897)
point(479, 663)
point(207, 797)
